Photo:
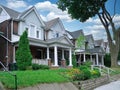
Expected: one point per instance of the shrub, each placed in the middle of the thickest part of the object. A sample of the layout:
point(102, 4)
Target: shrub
point(83, 67)
point(43, 67)
point(71, 73)
point(23, 54)
point(74, 62)
point(87, 64)
point(86, 74)
point(36, 67)
point(95, 73)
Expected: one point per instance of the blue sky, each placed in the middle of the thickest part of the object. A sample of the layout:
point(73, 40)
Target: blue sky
point(48, 10)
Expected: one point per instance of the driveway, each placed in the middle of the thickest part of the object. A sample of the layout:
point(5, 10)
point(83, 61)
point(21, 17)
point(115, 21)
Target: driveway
point(111, 86)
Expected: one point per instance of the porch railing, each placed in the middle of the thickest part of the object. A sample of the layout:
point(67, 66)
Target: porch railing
point(40, 61)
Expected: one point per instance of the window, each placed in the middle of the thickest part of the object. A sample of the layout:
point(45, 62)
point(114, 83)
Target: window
point(26, 29)
point(57, 34)
point(38, 34)
point(32, 31)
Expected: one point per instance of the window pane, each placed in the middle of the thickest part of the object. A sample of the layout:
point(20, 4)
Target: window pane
point(38, 34)
point(32, 31)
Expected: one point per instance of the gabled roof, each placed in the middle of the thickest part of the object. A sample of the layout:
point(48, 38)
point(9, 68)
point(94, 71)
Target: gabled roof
point(13, 14)
point(76, 34)
point(23, 13)
point(88, 37)
point(98, 42)
point(50, 23)
point(59, 39)
point(96, 50)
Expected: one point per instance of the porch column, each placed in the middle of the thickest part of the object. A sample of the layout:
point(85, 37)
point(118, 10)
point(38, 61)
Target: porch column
point(48, 57)
point(102, 60)
point(14, 61)
point(84, 58)
point(97, 62)
point(63, 54)
point(91, 58)
point(55, 56)
point(70, 57)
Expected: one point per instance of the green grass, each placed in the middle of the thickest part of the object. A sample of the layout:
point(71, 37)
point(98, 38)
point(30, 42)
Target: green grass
point(30, 78)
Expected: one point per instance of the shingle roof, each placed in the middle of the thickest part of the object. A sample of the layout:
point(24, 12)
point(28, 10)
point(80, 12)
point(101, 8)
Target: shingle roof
point(98, 42)
point(88, 37)
point(50, 23)
point(23, 13)
point(76, 34)
point(96, 50)
point(11, 12)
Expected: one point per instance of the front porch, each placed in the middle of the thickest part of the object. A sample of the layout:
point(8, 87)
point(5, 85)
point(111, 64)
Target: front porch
point(53, 56)
point(95, 55)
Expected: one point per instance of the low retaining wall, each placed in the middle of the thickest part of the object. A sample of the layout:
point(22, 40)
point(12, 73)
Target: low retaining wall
point(93, 83)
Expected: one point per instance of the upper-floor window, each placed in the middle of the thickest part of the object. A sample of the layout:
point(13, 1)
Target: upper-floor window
point(57, 34)
point(32, 31)
point(38, 34)
point(26, 29)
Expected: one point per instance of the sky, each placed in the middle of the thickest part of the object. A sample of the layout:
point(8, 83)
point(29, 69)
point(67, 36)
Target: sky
point(48, 10)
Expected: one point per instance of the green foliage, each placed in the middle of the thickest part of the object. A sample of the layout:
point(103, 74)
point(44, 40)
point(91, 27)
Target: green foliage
point(95, 73)
point(74, 62)
point(80, 41)
point(107, 60)
point(37, 67)
point(30, 78)
point(87, 64)
point(86, 74)
point(23, 54)
point(81, 9)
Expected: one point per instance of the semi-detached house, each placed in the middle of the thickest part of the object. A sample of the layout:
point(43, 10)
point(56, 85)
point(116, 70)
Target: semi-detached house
point(48, 41)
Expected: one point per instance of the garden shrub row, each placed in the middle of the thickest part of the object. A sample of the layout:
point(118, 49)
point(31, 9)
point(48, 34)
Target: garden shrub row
point(83, 72)
point(37, 67)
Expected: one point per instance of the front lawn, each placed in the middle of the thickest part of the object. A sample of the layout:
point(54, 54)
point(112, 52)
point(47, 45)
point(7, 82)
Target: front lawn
point(30, 78)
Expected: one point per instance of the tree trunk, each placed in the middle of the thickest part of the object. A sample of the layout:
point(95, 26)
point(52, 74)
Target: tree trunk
point(114, 55)
point(114, 62)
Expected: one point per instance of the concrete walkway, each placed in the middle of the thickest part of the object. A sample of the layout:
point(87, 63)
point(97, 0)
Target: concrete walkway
point(54, 86)
point(111, 86)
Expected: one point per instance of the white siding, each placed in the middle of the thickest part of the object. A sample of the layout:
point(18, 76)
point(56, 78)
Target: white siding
point(57, 28)
point(32, 20)
point(3, 15)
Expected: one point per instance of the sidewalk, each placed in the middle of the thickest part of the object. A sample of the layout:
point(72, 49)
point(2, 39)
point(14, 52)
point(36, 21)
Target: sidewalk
point(54, 86)
point(111, 86)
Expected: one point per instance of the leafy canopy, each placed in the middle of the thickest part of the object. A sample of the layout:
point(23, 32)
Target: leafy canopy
point(81, 9)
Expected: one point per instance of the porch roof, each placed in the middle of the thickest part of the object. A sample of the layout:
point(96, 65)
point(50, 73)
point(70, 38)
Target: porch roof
point(95, 50)
point(63, 40)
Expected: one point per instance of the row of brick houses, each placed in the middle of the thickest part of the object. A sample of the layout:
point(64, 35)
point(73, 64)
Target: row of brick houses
point(50, 43)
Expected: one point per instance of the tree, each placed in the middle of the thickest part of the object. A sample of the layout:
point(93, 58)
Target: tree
point(23, 54)
point(84, 9)
point(81, 42)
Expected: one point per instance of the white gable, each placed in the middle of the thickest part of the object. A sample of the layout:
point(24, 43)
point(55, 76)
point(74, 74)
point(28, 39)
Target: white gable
point(33, 23)
point(3, 15)
point(57, 28)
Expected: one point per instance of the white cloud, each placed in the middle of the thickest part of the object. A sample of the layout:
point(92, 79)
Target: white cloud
point(16, 3)
point(53, 11)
